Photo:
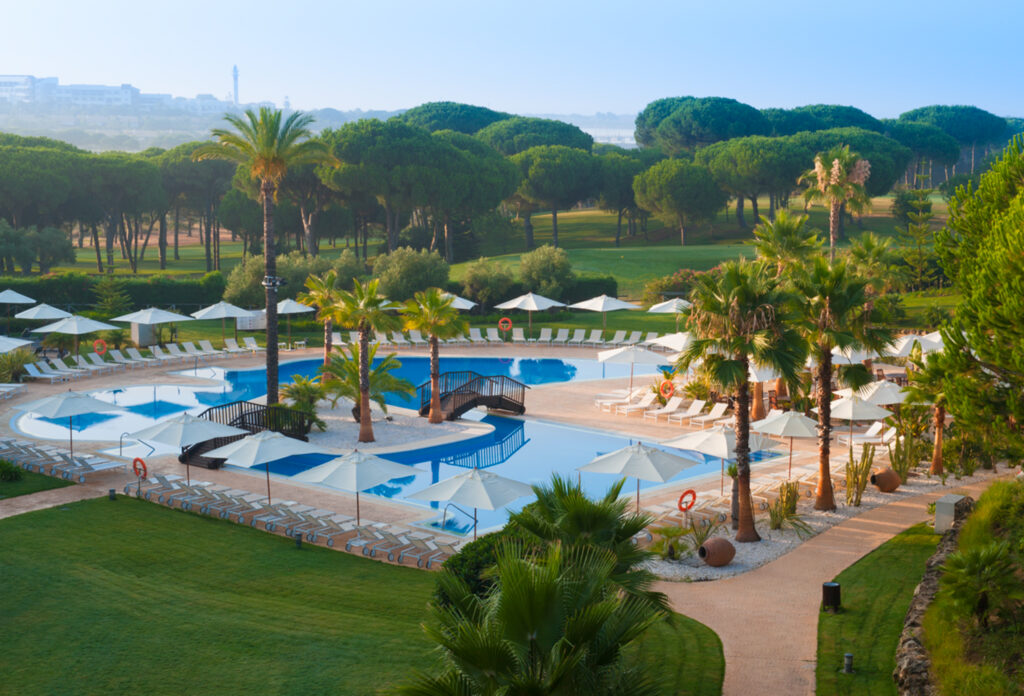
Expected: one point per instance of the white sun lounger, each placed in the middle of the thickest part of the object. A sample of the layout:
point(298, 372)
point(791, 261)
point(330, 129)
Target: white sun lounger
point(595, 338)
point(61, 368)
point(641, 405)
point(98, 360)
point(606, 402)
point(160, 355)
point(668, 409)
point(474, 335)
point(617, 340)
point(694, 409)
point(518, 336)
point(634, 338)
point(493, 337)
point(126, 362)
point(544, 337)
point(561, 337)
point(398, 339)
point(716, 412)
point(416, 338)
point(175, 350)
point(134, 354)
point(252, 345)
point(82, 364)
point(35, 373)
point(578, 337)
point(208, 348)
point(231, 346)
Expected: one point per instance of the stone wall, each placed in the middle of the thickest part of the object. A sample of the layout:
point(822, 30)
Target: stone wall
point(912, 674)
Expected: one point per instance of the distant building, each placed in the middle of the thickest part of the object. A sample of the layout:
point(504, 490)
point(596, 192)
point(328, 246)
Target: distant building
point(234, 79)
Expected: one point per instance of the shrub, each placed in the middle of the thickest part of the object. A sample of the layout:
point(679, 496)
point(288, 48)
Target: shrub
point(858, 473)
point(244, 285)
point(981, 581)
point(9, 472)
point(474, 559)
point(547, 271)
point(305, 394)
point(782, 512)
point(486, 282)
point(680, 282)
point(111, 298)
point(116, 338)
point(349, 268)
point(586, 287)
point(903, 206)
point(12, 364)
point(404, 272)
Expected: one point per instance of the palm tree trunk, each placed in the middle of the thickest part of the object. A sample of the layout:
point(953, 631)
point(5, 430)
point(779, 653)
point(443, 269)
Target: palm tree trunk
point(435, 382)
point(365, 422)
point(328, 330)
point(939, 423)
point(746, 531)
point(824, 498)
point(270, 284)
point(833, 229)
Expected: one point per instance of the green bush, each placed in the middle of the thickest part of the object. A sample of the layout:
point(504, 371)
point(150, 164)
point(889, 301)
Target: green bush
point(12, 365)
point(586, 287)
point(244, 286)
point(473, 561)
point(486, 283)
point(349, 268)
point(111, 298)
point(10, 472)
point(547, 271)
point(405, 271)
point(678, 283)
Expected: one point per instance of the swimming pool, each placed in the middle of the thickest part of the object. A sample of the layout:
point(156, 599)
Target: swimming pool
point(525, 450)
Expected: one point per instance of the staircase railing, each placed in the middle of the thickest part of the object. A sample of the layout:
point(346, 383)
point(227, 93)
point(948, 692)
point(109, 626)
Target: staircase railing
point(253, 418)
point(460, 391)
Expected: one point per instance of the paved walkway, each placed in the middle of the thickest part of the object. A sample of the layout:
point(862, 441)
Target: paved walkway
point(768, 618)
point(50, 498)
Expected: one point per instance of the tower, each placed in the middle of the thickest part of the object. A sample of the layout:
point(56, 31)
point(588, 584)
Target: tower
point(234, 76)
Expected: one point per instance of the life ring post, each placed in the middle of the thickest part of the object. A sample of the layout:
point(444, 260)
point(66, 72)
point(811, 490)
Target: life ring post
point(684, 507)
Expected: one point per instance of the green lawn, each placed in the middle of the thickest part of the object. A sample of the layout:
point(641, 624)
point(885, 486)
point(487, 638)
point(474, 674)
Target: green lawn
point(130, 597)
point(30, 482)
point(876, 593)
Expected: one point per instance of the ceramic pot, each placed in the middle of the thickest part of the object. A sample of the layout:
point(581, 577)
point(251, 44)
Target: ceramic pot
point(717, 551)
point(885, 480)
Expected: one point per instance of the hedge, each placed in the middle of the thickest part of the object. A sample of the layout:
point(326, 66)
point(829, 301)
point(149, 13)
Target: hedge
point(75, 290)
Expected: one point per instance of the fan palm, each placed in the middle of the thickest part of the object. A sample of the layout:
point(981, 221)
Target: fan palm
point(833, 311)
point(873, 258)
point(738, 317)
point(553, 625)
point(837, 180)
point(928, 385)
point(341, 379)
point(266, 144)
point(563, 514)
point(322, 293)
point(365, 309)
point(786, 241)
point(432, 313)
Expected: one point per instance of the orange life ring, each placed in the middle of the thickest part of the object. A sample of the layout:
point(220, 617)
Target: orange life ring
point(100, 346)
point(693, 496)
point(667, 389)
point(139, 467)
point(504, 323)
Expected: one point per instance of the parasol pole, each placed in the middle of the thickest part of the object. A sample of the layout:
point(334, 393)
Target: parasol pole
point(357, 512)
point(269, 501)
point(789, 475)
point(638, 495)
point(474, 524)
point(71, 437)
point(722, 479)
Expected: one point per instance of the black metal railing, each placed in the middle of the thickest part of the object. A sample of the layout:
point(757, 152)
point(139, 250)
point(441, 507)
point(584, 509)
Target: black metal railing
point(493, 454)
point(461, 391)
point(251, 417)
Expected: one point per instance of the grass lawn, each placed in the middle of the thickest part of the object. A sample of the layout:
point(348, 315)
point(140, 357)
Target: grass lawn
point(876, 593)
point(30, 482)
point(130, 597)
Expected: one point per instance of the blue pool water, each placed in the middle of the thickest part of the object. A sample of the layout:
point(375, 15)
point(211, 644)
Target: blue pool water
point(525, 450)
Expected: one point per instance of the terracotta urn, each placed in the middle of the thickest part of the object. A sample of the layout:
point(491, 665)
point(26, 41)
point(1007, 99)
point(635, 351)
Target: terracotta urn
point(717, 551)
point(886, 480)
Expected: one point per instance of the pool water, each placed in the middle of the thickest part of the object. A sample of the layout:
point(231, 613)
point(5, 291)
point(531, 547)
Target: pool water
point(525, 450)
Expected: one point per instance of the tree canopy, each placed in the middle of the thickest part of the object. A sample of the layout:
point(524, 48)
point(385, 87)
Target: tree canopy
point(968, 125)
point(682, 192)
point(700, 122)
point(519, 133)
point(836, 116)
point(446, 115)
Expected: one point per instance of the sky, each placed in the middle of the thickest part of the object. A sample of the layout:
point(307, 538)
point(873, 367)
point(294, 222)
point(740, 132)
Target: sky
point(532, 57)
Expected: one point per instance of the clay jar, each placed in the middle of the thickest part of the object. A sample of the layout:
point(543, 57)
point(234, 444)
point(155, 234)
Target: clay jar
point(886, 480)
point(717, 551)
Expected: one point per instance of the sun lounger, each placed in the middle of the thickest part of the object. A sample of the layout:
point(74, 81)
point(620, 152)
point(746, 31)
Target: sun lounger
point(634, 338)
point(79, 467)
point(84, 364)
point(613, 399)
point(119, 358)
point(447, 549)
point(163, 357)
point(353, 338)
point(97, 360)
point(694, 409)
point(252, 345)
point(493, 337)
point(207, 347)
point(617, 339)
point(423, 550)
point(871, 433)
point(641, 405)
point(416, 338)
point(578, 337)
point(651, 335)
point(231, 346)
point(9, 390)
point(561, 337)
point(667, 410)
point(336, 339)
point(331, 528)
point(364, 535)
point(398, 339)
point(134, 354)
point(60, 367)
point(461, 338)
point(716, 412)
point(518, 336)
point(475, 337)
point(389, 543)
point(35, 373)
point(596, 338)
point(175, 349)
point(544, 337)
point(192, 351)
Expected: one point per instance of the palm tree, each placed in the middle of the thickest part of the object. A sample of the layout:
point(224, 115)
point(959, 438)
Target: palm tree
point(340, 379)
point(266, 146)
point(738, 317)
point(833, 312)
point(563, 514)
point(432, 313)
point(872, 257)
point(928, 385)
point(366, 310)
point(838, 180)
point(786, 241)
point(322, 293)
point(550, 625)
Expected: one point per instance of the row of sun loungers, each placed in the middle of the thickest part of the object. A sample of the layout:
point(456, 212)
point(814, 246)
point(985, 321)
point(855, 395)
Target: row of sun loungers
point(490, 335)
point(53, 461)
point(296, 520)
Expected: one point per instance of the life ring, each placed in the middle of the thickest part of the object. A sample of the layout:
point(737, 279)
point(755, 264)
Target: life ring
point(100, 346)
point(504, 323)
point(693, 499)
point(139, 467)
point(667, 389)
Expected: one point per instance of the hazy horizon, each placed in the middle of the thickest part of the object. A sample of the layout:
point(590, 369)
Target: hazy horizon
point(531, 57)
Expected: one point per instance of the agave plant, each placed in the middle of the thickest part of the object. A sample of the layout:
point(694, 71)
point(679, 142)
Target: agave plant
point(340, 378)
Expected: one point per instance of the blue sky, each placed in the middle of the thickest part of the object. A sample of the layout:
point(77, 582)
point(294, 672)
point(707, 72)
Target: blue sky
point(533, 56)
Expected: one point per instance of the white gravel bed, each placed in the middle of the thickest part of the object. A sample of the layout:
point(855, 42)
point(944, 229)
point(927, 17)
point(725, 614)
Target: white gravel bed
point(394, 430)
point(777, 542)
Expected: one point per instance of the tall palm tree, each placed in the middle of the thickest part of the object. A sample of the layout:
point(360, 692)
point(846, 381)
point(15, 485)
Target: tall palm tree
point(738, 317)
point(432, 313)
point(837, 180)
point(928, 385)
point(563, 514)
point(833, 311)
point(266, 144)
point(365, 309)
point(872, 257)
point(340, 379)
point(550, 625)
point(322, 293)
point(786, 241)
